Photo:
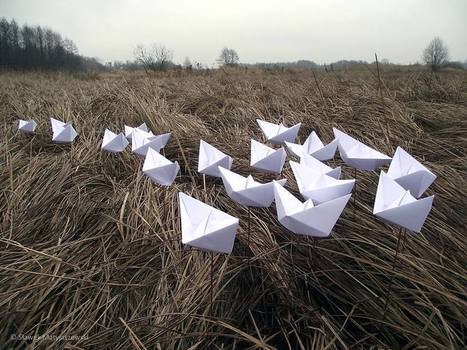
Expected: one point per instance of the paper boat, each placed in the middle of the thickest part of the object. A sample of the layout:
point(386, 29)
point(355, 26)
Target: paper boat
point(62, 132)
point(114, 143)
point(396, 205)
point(160, 169)
point(246, 191)
point(317, 186)
point(210, 158)
point(278, 133)
point(314, 146)
point(129, 131)
point(410, 173)
point(266, 158)
point(357, 154)
point(304, 217)
point(320, 167)
point(205, 227)
point(142, 141)
point(27, 126)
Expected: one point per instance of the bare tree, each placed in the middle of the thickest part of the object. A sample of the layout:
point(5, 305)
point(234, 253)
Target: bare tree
point(228, 57)
point(436, 54)
point(158, 57)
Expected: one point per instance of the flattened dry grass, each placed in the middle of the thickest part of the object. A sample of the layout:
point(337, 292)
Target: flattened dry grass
point(89, 247)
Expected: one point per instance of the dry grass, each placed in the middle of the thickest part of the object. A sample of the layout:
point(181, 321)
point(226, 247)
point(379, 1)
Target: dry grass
point(90, 247)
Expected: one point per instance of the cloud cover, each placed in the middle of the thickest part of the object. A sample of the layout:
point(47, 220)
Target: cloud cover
point(260, 31)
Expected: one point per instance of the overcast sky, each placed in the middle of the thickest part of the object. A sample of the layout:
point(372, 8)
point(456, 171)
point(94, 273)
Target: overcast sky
point(259, 30)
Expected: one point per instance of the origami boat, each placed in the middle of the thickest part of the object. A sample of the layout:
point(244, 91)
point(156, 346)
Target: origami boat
point(396, 205)
point(357, 154)
point(278, 133)
point(315, 147)
point(246, 191)
point(266, 158)
point(205, 227)
point(410, 173)
point(304, 217)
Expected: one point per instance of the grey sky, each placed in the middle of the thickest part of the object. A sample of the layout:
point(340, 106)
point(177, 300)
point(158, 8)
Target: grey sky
point(260, 31)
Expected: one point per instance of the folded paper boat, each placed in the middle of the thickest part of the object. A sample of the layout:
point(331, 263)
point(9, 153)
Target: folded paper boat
point(129, 130)
point(205, 227)
point(357, 154)
point(304, 217)
point(142, 141)
point(247, 191)
point(317, 186)
point(113, 142)
point(266, 158)
point(315, 147)
point(62, 132)
point(396, 205)
point(27, 126)
point(317, 166)
point(160, 169)
point(210, 158)
point(278, 133)
point(410, 173)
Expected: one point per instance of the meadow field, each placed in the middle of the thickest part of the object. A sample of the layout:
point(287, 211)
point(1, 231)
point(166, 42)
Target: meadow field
point(90, 251)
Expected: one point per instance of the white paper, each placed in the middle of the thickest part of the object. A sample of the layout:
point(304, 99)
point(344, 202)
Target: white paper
point(205, 227)
point(210, 158)
point(62, 132)
point(320, 167)
point(410, 173)
point(357, 154)
point(160, 169)
point(317, 186)
point(129, 131)
point(266, 158)
point(304, 217)
point(395, 204)
point(313, 146)
point(27, 126)
point(114, 143)
point(141, 141)
point(278, 133)
point(247, 191)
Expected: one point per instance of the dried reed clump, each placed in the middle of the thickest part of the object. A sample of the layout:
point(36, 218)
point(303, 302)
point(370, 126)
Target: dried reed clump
point(90, 248)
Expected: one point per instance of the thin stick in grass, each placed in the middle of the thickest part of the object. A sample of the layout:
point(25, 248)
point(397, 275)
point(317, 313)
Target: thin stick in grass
point(389, 288)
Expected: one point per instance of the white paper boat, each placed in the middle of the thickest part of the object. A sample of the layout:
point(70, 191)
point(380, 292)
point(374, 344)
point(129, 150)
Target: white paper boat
point(317, 186)
point(410, 173)
point(314, 147)
point(266, 158)
point(160, 169)
point(142, 141)
point(357, 154)
point(129, 131)
point(205, 227)
point(396, 205)
point(27, 126)
point(246, 191)
point(114, 143)
point(304, 217)
point(320, 167)
point(62, 132)
point(210, 158)
point(278, 133)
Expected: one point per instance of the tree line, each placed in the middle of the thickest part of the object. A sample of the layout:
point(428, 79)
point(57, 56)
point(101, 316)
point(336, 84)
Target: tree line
point(35, 47)
point(41, 48)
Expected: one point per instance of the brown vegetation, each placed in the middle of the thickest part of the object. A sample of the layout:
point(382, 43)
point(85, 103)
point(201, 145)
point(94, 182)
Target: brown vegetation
point(90, 247)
